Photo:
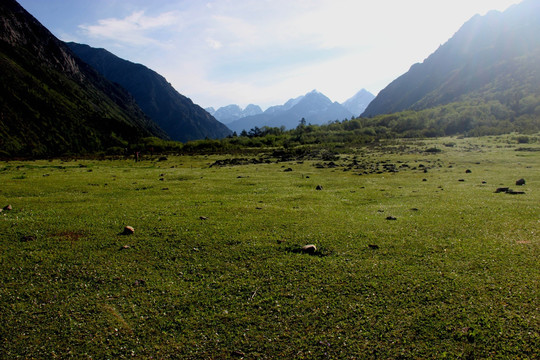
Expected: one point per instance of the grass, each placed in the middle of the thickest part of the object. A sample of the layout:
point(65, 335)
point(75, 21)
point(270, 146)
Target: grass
point(454, 276)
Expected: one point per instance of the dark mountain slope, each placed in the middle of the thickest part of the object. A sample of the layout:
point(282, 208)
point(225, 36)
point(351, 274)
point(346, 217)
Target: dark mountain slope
point(51, 102)
point(173, 112)
point(484, 59)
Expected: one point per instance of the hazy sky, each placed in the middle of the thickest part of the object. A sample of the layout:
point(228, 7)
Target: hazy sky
point(219, 52)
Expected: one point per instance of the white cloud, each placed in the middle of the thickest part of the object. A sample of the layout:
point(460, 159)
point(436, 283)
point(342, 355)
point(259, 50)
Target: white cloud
point(135, 29)
point(214, 44)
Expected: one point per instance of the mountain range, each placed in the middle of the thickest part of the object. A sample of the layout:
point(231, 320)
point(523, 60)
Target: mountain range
point(491, 57)
point(53, 103)
point(314, 107)
point(181, 119)
point(230, 113)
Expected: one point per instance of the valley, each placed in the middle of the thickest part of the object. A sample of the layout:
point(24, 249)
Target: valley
point(419, 258)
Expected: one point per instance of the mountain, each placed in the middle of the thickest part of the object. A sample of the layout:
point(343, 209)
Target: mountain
point(280, 108)
point(359, 102)
point(314, 107)
point(181, 119)
point(491, 57)
point(251, 110)
point(51, 102)
point(230, 113)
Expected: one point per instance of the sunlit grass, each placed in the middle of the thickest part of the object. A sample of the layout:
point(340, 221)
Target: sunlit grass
point(455, 275)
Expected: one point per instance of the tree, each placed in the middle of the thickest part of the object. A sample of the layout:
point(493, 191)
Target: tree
point(255, 132)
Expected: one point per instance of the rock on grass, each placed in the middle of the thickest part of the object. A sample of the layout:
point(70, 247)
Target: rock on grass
point(309, 249)
point(128, 230)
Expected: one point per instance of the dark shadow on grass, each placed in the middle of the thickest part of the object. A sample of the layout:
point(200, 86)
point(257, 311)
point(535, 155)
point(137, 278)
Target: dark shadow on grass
point(297, 249)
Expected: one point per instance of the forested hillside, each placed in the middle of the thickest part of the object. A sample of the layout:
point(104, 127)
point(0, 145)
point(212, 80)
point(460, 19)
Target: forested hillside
point(52, 103)
point(492, 61)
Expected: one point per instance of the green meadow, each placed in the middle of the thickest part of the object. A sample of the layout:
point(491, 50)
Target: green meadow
point(418, 256)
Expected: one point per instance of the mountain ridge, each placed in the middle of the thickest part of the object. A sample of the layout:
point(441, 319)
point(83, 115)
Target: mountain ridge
point(467, 63)
point(277, 115)
point(314, 107)
point(181, 119)
point(230, 113)
point(53, 103)
point(358, 103)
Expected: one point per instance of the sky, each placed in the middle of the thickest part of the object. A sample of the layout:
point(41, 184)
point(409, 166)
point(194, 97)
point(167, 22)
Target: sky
point(221, 52)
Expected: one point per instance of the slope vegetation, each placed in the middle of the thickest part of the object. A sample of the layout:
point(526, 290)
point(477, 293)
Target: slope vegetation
point(491, 58)
point(52, 103)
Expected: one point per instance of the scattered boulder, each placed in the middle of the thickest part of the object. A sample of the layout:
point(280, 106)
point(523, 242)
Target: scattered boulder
point(309, 249)
point(468, 171)
point(128, 230)
point(520, 182)
point(508, 191)
point(8, 208)
point(424, 179)
point(26, 238)
point(319, 187)
point(203, 218)
point(125, 247)
point(139, 282)
point(391, 218)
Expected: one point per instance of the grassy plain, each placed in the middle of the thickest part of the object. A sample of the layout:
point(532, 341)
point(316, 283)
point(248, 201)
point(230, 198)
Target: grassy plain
point(455, 275)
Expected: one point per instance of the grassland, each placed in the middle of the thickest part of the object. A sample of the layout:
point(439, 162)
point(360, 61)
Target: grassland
point(417, 258)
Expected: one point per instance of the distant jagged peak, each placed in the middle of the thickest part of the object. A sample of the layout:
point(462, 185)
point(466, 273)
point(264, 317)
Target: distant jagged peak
point(252, 109)
point(359, 102)
point(234, 112)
